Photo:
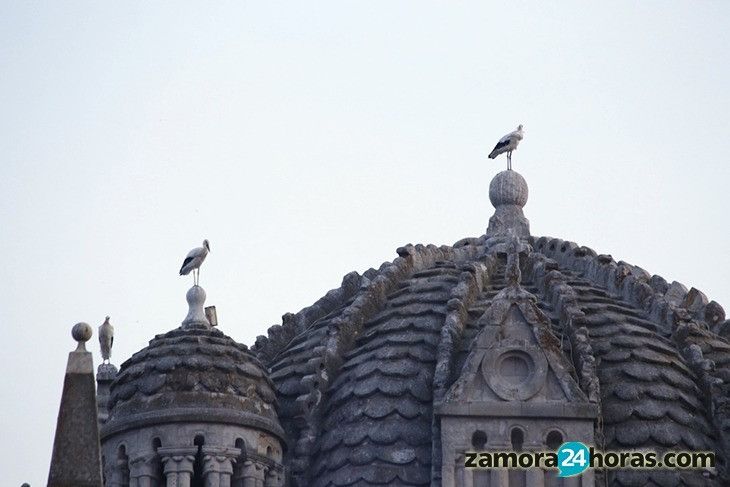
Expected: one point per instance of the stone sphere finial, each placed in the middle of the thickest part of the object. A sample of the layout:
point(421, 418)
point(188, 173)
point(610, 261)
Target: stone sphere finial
point(196, 304)
point(508, 188)
point(508, 194)
point(81, 332)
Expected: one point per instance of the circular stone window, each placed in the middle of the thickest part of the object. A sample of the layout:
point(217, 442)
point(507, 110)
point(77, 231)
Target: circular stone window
point(515, 367)
point(515, 372)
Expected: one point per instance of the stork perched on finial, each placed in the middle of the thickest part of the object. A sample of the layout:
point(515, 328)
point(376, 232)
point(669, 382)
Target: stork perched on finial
point(194, 260)
point(106, 339)
point(507, 144)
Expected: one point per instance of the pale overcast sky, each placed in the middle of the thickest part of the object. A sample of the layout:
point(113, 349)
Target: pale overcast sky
point(309, 139)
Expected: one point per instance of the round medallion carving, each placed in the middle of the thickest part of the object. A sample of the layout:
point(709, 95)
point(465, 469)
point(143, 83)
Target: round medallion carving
point(515, 372)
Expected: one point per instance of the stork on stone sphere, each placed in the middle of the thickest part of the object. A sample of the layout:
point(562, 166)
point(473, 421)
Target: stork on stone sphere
point(194, 260)
point(507, 144)
point(106, 339)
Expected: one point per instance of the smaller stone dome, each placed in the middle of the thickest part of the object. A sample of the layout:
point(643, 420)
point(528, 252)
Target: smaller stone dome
point(508, 188)
point(192, 373)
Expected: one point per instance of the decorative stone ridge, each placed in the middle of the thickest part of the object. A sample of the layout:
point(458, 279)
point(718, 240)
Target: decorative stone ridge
point(278, 337)
point(343, 329)
point(193, 373)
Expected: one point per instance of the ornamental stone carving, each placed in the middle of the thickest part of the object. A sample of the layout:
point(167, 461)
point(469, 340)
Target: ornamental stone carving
point(178, 465)
point(515, 371)
point(218, 465)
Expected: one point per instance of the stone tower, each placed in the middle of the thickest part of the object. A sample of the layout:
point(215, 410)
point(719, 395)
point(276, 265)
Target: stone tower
point(192, 409)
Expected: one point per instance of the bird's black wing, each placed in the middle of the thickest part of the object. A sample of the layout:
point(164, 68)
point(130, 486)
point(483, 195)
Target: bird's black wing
point(185, 262)
point(500, 145)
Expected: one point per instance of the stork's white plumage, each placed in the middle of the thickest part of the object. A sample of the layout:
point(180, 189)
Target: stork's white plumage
point(106, 339)
point(507, 144)
point(194, 260)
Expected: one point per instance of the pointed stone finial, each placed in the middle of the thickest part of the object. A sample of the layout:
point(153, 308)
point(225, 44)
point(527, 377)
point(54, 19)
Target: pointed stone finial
point(196, 303)
point(508, 193)
point(76, 457)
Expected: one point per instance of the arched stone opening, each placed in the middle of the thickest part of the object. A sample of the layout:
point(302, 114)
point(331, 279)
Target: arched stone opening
point(159, 468)
point(554, 439)
point(517, 438)
point(478, 440)
point(122, 468)
point(198, 479)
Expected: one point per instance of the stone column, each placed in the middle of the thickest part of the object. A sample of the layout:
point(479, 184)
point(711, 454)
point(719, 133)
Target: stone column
point(143, 471)
point(535, 477)
point(588, 478)
point(178, 465)
point(218, 465)
point(500, 477)
point(274, 478)
point(468, 474)
point(251, 474)
point(448, 462)
point(117, 473)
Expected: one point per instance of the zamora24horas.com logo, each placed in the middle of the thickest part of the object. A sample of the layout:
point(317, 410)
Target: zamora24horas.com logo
point(574, 457)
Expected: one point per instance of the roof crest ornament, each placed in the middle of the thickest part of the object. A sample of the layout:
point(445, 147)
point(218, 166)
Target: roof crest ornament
point(513, 273)
point(196, 312)
point(508, 194)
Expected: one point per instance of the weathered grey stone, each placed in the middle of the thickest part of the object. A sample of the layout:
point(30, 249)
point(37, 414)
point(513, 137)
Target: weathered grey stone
point(105, 374)
point(196, 308)
point(354, 379)
point(508, 193)
point(76, 458)
point(189, 408)
point(676, 293)
point(723, 329)
point(714, 314)
point(695, 302)
point(194, 368)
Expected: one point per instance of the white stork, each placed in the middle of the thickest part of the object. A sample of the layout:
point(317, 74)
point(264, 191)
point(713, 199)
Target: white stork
point(507, 144)
point(194, 260)
point(106, 339)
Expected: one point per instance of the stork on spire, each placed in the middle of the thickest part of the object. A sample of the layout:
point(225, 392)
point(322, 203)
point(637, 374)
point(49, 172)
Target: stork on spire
point(194, 260)
point(507, 144)
point(106, 340)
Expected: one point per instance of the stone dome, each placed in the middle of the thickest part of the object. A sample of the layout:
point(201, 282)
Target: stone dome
point(359, 373)
point(193, 373)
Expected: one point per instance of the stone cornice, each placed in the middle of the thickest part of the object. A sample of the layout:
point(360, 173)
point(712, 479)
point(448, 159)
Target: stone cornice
point(546, 409)
point(187, 415)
